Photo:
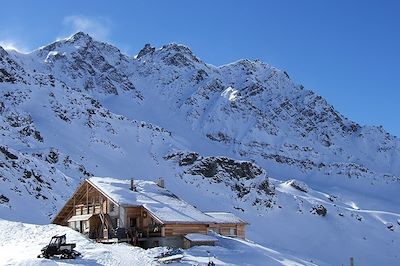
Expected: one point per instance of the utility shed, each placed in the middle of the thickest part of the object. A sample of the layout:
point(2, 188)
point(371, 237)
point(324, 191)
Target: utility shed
point(228, 224)
point(191, 240)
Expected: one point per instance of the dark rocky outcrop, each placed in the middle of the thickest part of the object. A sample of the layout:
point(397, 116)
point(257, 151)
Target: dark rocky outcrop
point(3, 199)
point(319, 209)
point(211, 166)
point(147, 49)
point(298, 185)
point(242, 177)
point(7, 153)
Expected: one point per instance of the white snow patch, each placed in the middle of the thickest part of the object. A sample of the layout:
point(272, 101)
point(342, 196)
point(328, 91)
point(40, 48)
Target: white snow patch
point(225, 217)
point(200, 238)
point(230, 93)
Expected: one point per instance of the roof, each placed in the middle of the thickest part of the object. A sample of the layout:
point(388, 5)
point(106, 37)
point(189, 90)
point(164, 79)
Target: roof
point(84, 217)
point(159, 202)
point(226, 218)
point(194, 237)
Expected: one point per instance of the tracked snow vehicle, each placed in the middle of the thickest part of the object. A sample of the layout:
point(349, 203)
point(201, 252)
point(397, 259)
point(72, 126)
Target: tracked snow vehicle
point(58, 247)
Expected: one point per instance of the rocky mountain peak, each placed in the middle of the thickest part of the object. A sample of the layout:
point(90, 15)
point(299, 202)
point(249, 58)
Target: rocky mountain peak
point(70, 44)
point(147, 49)
point(177, 48)
point(80, 41)
point(80, 37)
point(178, 55)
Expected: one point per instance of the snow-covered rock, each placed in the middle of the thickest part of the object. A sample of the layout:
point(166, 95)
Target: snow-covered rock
point(298, 185)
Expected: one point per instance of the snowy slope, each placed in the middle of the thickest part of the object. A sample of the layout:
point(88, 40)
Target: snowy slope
point(21, 243)
point(225, 138)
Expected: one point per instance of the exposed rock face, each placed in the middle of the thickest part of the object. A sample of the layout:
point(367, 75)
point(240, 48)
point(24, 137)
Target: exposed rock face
point(298, 185)
point(8, 154)
point(212, 166)
point(10, 70)
point(319, 209)
point(3, 199)
point(216, 167)
point(241, 177)
point(147, 49)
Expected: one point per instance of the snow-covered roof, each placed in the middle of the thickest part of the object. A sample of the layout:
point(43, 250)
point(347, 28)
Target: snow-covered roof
point(194, 237)
point(225, 217)
point(160, 202)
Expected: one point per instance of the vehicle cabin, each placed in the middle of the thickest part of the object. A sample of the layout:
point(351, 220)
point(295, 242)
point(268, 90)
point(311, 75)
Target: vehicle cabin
point(142, 213)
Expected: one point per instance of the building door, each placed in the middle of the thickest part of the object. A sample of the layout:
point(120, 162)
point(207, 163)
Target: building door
point(133, 222)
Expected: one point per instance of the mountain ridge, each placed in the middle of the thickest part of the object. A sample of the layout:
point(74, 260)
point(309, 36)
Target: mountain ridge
point(79, 107)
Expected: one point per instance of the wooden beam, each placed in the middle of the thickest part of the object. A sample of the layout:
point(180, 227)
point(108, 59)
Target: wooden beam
point(74, 203)
point(106, 205)
point(93, 204)
point(87, 198)
point(81, 197)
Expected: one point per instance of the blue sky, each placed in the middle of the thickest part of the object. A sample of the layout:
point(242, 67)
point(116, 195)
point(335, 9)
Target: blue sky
point(346, 51)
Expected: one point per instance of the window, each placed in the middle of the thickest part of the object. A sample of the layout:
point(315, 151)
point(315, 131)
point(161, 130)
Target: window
point(233, 231)
point(112, 206)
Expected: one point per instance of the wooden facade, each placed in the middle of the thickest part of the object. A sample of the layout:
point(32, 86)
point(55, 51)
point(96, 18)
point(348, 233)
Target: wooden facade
point(229, 229)
point(183, 229)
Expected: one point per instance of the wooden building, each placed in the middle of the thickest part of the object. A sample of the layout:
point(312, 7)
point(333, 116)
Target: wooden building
point(227, 224)
point(143, 213)
point(140, 212)
point(193, 239)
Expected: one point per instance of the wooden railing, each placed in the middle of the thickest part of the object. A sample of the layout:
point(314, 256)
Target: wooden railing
point(88, 209)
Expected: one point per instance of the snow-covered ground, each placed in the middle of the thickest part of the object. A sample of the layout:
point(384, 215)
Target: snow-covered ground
point(231, 251)
point(20, 243)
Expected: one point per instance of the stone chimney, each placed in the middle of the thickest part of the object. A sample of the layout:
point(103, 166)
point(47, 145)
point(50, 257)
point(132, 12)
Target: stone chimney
point(161, 182)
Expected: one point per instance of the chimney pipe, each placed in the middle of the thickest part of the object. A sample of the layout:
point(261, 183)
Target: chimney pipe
point(133, 187)
point(161, 182)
